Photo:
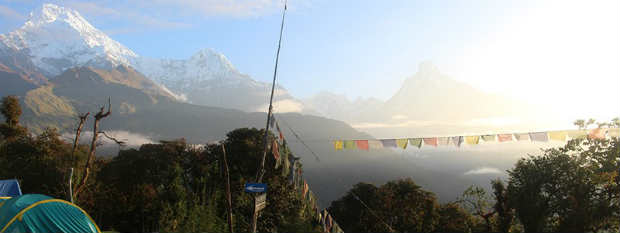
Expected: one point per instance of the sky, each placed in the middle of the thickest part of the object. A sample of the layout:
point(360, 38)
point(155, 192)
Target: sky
point(561, 53)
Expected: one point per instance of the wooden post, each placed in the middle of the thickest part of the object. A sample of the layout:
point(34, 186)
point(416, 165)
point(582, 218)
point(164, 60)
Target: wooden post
point(228, 198)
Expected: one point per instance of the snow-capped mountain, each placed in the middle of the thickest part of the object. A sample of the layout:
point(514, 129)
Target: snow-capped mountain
point(59, 38)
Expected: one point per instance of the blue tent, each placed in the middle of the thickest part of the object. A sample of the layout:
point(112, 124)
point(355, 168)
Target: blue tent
point(10, 188)
point(40, 213)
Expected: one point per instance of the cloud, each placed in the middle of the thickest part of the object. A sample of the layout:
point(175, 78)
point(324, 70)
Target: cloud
point(132, 140)
point(8, 13)
point(483, 170)
point(235, 8)
point(283, 106)
point(133, 19)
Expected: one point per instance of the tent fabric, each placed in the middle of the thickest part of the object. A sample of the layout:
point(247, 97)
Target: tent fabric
point(40, 213)
point(10, 188)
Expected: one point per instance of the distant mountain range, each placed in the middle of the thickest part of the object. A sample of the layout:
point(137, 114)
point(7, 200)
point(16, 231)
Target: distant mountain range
point(60, 65)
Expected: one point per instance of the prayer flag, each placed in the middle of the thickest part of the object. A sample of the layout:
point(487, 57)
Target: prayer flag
point(275, 150)
point(488, 138)
point(417, 142)
point(305, 190)
point(388, 142)
point(613, 132)
point(402, 143)
point(338, 145)
point(362, 144)
point(472, 140)
point(279, 131)
point(522, 136)
point(597, 133)
point(349, 144)
point(578, 133)
point(430, 141)
point(504, 137)
point(539, 136)
point(375, 144)
point(443, 141)
point(457, 140)
point(558, 135)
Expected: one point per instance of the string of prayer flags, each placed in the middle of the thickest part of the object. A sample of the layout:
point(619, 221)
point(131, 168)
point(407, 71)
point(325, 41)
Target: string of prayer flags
point(457, 140)
point(472, 140)
point(279, 131)
point(375, 144)
point(504, 137)
point(543, 136)
point(362, 144)
point(387, 143)
point(488, 138)
point(417, 142)
point(430, 141)
point(539, 137)
point(349, 144)
point(558, 135)
point(402, 143)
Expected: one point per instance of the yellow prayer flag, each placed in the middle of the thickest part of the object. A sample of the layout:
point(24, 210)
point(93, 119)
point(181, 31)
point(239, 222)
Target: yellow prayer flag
point(578, 133)
point(613, 132)
point(338, 145)
point(558, 135)
point(402, 143)
point(472, 140)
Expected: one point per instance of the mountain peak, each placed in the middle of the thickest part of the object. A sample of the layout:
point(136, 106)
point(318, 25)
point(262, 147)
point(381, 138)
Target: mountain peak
point(58, 38)
point(48, 13)
point(427, 67)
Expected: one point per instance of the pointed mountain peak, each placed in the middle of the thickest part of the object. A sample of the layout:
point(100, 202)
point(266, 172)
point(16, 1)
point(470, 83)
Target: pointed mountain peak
point(58, 38)
point(427, 67)
point(210, 58)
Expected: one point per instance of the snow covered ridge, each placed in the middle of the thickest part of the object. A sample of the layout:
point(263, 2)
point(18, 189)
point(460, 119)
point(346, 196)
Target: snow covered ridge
point(59, 38)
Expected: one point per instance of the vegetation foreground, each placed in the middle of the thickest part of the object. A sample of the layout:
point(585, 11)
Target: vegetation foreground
point(175, 187)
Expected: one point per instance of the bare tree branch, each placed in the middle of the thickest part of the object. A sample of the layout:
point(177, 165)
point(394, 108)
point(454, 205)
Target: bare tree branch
point(93, 146)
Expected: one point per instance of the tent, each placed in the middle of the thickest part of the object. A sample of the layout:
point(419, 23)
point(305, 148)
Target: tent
point(40, 213)
point(9, 188)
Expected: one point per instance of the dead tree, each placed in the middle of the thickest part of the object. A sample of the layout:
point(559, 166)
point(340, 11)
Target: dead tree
point(93, 147)
point(78, 131)
point(76, 141)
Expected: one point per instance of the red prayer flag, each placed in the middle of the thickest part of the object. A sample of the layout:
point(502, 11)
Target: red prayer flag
point(275, 150)
point(362, 144)
point(431, 141)
point(504, 137)
point(597, 133)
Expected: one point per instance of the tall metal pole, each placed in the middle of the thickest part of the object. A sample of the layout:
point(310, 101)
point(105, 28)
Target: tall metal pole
point(261, 169)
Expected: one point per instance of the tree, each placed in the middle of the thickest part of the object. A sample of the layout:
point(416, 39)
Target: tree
point(93, 148)
point(453, 218)
point(477, 202)
point(505, 214)
point(11, 111)
point(573, 188)
point(399, 205)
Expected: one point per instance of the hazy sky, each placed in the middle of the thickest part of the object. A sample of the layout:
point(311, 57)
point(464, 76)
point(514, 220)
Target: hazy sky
point(554, 52)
